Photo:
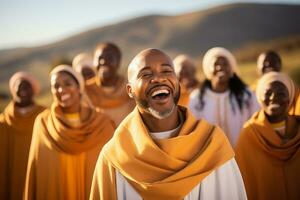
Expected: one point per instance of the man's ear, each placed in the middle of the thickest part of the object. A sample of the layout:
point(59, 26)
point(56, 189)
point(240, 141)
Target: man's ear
point(129, 90)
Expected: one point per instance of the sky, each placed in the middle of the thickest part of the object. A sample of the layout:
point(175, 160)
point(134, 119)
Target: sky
point(26, 23)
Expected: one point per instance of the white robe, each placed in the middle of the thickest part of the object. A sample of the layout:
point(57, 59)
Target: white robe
point(218, 111)
point(224, 183)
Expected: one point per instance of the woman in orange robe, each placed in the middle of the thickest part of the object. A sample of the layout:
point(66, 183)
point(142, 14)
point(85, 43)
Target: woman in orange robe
point(268, 150)
point(16, 123)
point(67, 139)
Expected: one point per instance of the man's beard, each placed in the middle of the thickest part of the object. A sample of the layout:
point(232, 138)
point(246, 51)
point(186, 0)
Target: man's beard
point(155, 113)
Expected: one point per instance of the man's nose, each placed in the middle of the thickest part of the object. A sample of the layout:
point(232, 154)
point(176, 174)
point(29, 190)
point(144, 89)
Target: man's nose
point(157, 78)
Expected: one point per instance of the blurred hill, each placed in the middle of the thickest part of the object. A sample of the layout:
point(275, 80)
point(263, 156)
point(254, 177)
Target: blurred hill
point(246, 29)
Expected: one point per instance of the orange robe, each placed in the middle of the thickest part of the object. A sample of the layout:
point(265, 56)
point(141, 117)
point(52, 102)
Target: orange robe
point(295, 107)
point(160, 169)
point(269, 167)
point(116, 103)
point(15, 138)
point(62, 159)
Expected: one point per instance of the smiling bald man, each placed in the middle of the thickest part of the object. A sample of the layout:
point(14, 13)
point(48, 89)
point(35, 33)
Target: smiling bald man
point(160, 151)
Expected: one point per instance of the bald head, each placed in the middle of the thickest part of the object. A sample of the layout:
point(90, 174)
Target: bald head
point(153, 84)
point(146, 58)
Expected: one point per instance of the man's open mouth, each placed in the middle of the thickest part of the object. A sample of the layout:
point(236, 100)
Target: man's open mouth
point(160, 94)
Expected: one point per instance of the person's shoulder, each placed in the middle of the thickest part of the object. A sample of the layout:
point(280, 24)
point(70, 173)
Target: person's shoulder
point(40, 108)
point(252, 120)
point(43, 115)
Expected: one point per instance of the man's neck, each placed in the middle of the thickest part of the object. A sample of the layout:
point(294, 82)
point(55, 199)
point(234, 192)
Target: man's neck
point(159, 125)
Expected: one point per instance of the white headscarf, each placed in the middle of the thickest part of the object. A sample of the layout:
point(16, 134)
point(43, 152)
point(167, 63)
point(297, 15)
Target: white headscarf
point(181, 60)
point(83, 60)
point(271, 77)
point(70, 70)
point(24, 76)
point(210, 58)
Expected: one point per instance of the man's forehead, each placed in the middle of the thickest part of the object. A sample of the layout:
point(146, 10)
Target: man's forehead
point(147, 58)
point(152, 57)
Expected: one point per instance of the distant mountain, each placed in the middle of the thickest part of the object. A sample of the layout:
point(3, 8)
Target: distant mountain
point(232, 26)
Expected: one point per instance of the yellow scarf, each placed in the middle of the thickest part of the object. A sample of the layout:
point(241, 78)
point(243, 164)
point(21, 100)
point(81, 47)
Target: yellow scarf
point(164, 168)
point(22, 123)
point(75, 140)
point(269, 166)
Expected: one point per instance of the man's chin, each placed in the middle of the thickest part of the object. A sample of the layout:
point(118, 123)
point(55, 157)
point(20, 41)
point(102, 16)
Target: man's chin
point(161, 114)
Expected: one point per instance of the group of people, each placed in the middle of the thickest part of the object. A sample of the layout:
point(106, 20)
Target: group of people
point(159, 134)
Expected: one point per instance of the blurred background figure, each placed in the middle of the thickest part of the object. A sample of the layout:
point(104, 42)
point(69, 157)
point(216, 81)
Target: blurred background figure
point(268, 61)
point(185, 70)
point(16, 124)
point(223, 99)
point(268, 147)
point(188, 26)
point(83, 64)
point(67, 139)
point(112, 97)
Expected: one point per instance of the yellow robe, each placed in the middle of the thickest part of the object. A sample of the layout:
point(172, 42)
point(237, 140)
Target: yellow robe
point(15, 138)
point(116, 104)
point(62, 159)
point(161, 169)
point(269, 167)
point(295, 107)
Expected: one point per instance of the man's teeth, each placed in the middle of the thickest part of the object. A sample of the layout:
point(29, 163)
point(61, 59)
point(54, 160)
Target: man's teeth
point(65, 97)
point(157, 92)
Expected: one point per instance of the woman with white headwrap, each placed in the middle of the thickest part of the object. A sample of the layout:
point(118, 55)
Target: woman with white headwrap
point(66, 141)
point(16, 123)
point(223, 99)
point(268, 149)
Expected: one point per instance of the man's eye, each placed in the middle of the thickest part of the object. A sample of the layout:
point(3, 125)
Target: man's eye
point(167, 71)
point(146, 75)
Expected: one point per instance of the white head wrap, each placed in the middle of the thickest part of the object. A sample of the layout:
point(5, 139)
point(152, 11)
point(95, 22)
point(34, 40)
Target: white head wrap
point(270, 77)
point(70, 70)
point(210, 58)
point(24, 76)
